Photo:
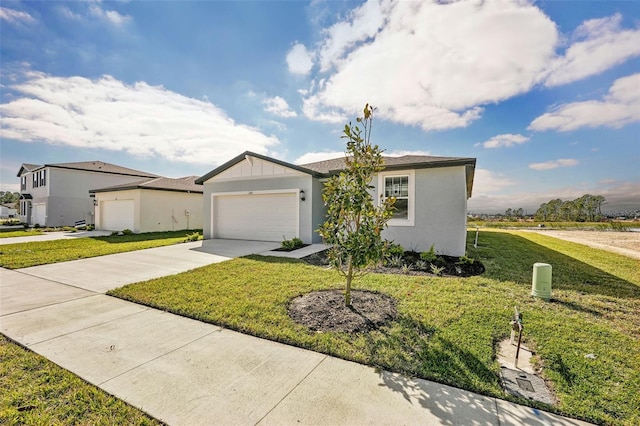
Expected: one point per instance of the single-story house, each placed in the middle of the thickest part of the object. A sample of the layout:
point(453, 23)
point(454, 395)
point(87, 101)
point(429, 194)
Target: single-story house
point(149, 205)
point(8, 211)
point(254, 197)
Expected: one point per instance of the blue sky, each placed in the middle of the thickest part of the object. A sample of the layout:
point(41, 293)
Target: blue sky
point(546, 95)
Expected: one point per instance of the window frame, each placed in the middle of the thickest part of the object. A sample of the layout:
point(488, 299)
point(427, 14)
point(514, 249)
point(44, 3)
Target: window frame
point(411, 196)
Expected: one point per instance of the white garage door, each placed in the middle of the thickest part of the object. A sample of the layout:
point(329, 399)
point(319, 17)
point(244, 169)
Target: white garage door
point(116, 215)
point(39, 214)
point(261, 217)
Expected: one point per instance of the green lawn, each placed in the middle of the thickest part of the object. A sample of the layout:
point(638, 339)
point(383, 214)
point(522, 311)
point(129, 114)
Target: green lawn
point(35, 391)
point(22, 255)
point(448, 327)
point(29, 233)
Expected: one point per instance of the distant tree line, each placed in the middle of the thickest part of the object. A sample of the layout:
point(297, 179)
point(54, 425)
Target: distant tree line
point(7, 197)
point(587, 208)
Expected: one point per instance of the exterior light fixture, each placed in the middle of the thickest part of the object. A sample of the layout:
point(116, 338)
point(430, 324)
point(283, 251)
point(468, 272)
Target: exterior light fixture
point(302, 195)
point(95, 202)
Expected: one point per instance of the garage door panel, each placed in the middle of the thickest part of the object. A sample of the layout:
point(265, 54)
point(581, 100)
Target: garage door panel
point(263, 217)
point(39, 214)
point(117, 215)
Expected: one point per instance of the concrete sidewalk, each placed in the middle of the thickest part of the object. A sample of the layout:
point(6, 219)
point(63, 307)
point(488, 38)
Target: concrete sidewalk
point(57, 235)
point(187, 372)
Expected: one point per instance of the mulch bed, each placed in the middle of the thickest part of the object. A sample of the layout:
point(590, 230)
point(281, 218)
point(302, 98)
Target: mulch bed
point(325, 311)
point(448, 263)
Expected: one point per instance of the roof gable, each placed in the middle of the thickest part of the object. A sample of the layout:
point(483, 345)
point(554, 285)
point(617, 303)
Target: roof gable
point(26, 168)
point(250, 165)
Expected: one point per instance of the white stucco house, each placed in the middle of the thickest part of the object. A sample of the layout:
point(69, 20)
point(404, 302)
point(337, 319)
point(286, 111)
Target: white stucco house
point(149, 205)
point(254, 197)
point(58, 194)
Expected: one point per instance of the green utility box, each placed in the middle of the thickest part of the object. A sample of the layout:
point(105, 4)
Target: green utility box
point(541, 282)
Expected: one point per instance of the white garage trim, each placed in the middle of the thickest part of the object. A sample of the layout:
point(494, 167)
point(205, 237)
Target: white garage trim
point(116, 215)
point(269, 232)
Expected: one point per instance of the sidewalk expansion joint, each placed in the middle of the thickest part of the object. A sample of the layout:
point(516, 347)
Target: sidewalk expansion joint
point(21, 271)
point(292, 389)
point(50, 304)
point(144, 309)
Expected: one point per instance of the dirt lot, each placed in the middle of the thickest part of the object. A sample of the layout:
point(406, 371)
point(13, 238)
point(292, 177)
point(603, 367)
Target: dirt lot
point(626, 243)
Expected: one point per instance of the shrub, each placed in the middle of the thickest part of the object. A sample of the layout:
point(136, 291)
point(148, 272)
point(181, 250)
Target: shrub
point(192, 237)
point(391, 249)
point(114, 233)
point(437, 270)
point(429, 256)
point(422, 265)
point(127, 231)
point(292, 244)
point(464, 260)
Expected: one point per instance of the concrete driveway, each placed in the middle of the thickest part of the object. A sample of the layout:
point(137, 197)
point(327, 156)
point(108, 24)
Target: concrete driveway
point(103, 273)
point(50, 236)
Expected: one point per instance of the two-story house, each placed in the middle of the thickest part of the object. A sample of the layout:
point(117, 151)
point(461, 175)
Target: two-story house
point(58, 194)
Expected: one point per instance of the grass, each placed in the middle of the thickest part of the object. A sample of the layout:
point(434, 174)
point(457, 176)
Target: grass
point(587, 226)
point(448, 328)
point(22, 255)
point(29, 233)
point(35, 391)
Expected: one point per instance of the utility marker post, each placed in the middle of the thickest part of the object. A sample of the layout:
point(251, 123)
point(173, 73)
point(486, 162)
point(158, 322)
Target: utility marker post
point(516, 325)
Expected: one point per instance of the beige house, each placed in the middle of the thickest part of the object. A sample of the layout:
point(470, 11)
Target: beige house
point(149, 205)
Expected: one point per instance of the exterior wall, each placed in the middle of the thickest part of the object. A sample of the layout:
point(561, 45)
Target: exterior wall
point(165, 211)
point(440, 212)
point(131, 194)
point(319, 211)
point(299, 181)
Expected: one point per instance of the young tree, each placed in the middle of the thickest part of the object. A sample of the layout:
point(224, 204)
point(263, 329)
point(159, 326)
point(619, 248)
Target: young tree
point(354, 223)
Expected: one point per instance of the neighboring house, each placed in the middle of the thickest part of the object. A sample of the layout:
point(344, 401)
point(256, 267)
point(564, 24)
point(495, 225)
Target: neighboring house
point(255, 197)
point(8, 211)
point(58, 194)
point(150, 205)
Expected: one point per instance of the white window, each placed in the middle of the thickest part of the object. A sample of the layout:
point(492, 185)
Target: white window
point(35, 180)
point(23, 183)
point(401, 186)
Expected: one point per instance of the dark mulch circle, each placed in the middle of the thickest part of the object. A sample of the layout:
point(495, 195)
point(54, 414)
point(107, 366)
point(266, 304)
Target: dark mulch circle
point(325, 311)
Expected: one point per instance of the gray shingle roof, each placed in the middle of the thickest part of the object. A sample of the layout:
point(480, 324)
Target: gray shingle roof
point(102, 167)
point(335, 165)
point(184, 184)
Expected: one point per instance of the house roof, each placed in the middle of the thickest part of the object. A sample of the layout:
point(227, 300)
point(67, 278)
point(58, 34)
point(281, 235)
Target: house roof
point(335, 165)
point(246, 154)
point(184, 184)
point(327, 168)
point(91, 166)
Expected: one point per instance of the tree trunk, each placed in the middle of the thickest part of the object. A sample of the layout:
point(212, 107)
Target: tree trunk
point(347, 291)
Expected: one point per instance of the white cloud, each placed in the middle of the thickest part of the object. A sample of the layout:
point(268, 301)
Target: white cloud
point(139, 119)
point(507, 139)
point(312, 157)
point(363, 23)
point(299, 60)
point(431, 64)
point(620, 107)
point(278, 106)
point(486, 181)
point(435, 64)
point(95, 9)
point(600, 44)
point(15, 16)
point(554, 164)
